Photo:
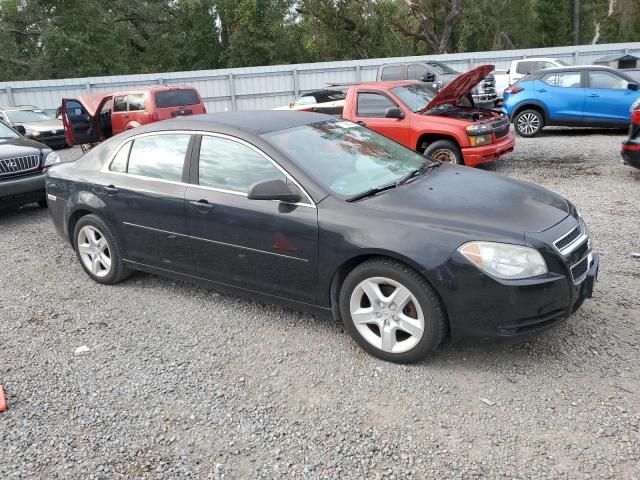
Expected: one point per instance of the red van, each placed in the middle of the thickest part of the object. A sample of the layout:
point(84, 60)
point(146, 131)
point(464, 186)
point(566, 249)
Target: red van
point(95, 117)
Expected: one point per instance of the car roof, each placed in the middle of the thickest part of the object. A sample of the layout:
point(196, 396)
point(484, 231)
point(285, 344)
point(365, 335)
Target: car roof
point(577, 67)
point(20, 108)
point(387, 83)
point(255, 122)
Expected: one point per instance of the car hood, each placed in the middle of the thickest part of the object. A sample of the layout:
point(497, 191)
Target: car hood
point(459, 87)
point(43, 126)
point(16, 147)
point(475, 200)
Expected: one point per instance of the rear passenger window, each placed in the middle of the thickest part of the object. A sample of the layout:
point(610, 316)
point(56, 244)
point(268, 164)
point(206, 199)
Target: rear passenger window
point(119, 162)
point(159, 156)
point(373, 104)
point(136, 102)
point(229, 165)
point(392, 73)
point(120, 104)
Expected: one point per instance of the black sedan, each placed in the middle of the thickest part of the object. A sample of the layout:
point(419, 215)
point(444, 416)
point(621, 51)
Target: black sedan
point(23, 163)
point(327, 216)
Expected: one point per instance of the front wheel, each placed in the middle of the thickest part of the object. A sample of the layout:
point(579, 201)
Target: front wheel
point(528, 123)
point(391, 311)
point(444, 151)
point(98, 251)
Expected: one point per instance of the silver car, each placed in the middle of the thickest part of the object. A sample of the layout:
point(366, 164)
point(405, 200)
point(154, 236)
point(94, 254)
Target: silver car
point(35, 123)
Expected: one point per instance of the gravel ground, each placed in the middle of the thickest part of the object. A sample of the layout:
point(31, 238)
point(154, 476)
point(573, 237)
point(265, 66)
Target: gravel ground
point(179, 381)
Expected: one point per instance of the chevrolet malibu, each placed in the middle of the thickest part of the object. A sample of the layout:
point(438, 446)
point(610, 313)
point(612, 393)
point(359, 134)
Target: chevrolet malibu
point(327, 216)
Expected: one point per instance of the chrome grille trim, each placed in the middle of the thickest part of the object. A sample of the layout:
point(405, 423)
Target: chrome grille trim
point(573, 244)
point(18, 165)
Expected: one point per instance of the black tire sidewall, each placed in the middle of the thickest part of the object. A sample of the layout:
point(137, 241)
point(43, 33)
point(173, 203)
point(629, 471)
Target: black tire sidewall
point(433, 316)
point(118, 270)
point(540, 122)
point(442, 145)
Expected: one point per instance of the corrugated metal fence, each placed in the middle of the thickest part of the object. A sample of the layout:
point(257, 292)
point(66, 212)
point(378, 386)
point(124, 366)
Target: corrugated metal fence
point(254, 88)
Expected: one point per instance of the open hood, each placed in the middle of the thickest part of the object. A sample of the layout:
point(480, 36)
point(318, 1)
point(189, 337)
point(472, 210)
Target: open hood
point(459, 87)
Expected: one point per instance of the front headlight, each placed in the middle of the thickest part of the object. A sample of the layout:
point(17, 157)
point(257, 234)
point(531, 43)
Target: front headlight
point(32, 133)
point(477, 140)
point(504, 260)
point(51, 159)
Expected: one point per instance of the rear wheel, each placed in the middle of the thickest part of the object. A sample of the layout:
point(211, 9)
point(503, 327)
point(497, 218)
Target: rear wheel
point(528, 123)
point(98, 251)
point(391, 311)
point(444, 151)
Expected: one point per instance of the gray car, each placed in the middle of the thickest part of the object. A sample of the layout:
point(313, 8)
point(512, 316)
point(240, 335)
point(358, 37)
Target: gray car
point(36, 124)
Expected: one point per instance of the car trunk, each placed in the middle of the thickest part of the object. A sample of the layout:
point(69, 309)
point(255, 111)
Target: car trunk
point(176, 103)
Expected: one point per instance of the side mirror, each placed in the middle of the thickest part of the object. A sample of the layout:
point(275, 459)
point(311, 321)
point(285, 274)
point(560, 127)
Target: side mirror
point(508, 71)
point(633, 86)
point(428, 77)
point(393, 112)
point(273, 190)
point(291, 104)
point(20, 129)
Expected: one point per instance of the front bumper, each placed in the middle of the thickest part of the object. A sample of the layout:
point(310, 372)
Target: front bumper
point(488, 153)
point(27, 185)
point(48, 139)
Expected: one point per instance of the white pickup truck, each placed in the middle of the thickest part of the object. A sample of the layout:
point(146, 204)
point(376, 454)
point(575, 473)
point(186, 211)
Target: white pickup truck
point(519, 68)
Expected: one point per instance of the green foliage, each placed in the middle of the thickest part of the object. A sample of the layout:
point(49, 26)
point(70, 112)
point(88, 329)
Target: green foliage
point(74, 38)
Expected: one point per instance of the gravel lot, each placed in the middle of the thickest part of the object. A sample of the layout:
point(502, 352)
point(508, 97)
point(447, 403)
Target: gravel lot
point(182, 382)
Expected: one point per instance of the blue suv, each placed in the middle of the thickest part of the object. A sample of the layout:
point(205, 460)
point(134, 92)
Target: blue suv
point(587, 96)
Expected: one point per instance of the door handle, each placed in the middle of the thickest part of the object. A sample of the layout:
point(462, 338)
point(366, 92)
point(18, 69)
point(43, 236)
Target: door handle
point(202, 204)
point(542, 90)
point(111, 189)
point(360, 122)
point(594, 95)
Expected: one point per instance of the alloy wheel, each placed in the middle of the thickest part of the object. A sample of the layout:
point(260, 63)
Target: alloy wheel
point(94, 251)
point(387, 315)
point(528, 123)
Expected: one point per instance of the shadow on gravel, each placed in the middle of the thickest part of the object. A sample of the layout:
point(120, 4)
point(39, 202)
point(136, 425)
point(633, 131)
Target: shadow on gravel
point(26, 212)
point(577, 132)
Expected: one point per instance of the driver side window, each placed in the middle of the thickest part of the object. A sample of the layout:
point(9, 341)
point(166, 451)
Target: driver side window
point(229, 165)
point(373, 104)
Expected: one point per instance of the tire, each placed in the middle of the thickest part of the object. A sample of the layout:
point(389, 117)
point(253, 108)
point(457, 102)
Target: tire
point(405, 337)
point(528, 123)
point(108, 268)
point(43, 203)
point(444, 151)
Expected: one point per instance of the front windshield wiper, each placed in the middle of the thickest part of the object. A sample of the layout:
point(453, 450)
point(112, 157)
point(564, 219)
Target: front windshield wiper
point(412, 174)
point(372, 191)
point(418, 171)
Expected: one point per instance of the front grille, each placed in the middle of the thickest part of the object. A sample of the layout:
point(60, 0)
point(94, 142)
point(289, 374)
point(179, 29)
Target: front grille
point(565, 241)
point(579, 269)
point(19, 165)
point(501, 127)
point(528, 325)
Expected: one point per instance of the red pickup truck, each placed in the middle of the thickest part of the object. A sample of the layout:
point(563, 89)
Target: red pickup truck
point(436, 124)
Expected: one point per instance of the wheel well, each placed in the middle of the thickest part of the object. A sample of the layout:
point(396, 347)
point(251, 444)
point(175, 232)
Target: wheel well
point(427, 138)
point(530, 106)
point(344, 270)
point(73, 220)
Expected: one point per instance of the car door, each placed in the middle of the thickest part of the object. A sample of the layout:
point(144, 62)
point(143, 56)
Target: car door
point(259, 245)
point(371, 107)
point(563, 95)
point(119, 114)
point(143, 190)
point(608, 98)
point(79, 126)
point(393, 72)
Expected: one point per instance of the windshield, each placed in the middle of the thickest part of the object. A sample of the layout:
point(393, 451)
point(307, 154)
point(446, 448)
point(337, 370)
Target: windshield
point(415, 96)
point(24, 116)
point(442, 68)
point(6, 132)
point(345, 158)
